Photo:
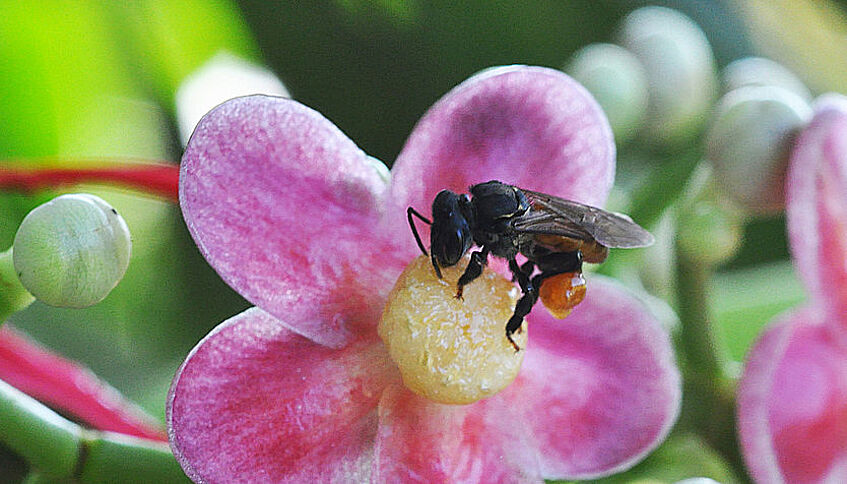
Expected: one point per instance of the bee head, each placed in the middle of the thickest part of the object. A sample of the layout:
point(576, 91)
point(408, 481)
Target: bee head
point(451, 235)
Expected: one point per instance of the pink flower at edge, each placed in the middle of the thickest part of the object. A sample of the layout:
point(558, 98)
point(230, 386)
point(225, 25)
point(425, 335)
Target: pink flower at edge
point(296, 218)
point(792, 401)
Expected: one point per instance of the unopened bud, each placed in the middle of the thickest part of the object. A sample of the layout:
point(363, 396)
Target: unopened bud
point(680, 69)
point(759, 71)
point(748, 144)
point(616, 79)
point(72, 251)
point(223, 77)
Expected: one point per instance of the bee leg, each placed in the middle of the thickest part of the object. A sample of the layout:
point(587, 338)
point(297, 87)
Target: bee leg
point(474, 270)
point(514, 345)
point(435, 265)
point(526, 302)
point(549, 265)
point(520, 274)
point(524, 306)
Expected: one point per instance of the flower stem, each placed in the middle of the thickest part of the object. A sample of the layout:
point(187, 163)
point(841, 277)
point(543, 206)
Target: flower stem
point(709, 391)
point(113, 457)
point(58, 448)
point(71, 388)
point(47, 441)
point(700, 346)
point(13, 296)
point(159, 179)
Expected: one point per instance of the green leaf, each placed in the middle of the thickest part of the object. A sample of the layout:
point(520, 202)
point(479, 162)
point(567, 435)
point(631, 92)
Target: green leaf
point(172, 39)
point(745, 300)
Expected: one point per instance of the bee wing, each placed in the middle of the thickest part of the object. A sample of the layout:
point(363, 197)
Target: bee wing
point(557, 216)
point(540, 221)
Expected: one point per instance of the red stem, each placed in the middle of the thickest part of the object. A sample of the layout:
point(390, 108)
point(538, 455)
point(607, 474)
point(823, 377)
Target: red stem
point(69, 387)
point(153, 178)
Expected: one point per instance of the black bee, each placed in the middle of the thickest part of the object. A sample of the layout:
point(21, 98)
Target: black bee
point(554, 234)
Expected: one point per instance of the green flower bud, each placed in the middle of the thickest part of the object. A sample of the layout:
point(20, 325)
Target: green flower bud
point(748, 144)
point(618, 82)
point(72, 251)
point(709, 230)
point(680, 68)
point(758, 71)
point(709, 233)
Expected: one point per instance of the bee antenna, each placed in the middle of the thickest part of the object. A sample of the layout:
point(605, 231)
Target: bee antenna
point(409, 212)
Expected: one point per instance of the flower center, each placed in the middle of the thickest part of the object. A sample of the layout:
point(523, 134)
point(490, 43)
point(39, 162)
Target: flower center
point(447, 349)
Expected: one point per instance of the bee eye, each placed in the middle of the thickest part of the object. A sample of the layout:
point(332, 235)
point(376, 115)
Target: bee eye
point(452, 245)
point(451, 234)
point(453, 242)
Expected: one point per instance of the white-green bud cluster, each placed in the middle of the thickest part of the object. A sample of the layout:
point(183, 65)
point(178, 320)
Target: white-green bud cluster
point(72, 251)
point(680, 68)
point(661, 81)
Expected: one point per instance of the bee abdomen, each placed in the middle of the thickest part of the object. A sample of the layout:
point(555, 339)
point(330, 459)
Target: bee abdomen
point(592, 251)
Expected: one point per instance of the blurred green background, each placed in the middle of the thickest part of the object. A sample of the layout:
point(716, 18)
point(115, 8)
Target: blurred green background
point(88, 79)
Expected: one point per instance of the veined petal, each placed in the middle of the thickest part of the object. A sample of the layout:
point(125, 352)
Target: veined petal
point(528, 126)
point(792, 403)
point(423, 441)
point(254, 402)
point(600, 388)
point(282, 204)
point(816, 198)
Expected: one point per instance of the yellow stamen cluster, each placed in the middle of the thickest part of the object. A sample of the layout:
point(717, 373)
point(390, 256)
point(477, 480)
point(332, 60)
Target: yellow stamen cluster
point(452, 350)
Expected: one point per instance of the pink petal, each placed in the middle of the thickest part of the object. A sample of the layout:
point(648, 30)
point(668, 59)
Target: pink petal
point(792, 403)
point(282, 204)
point(600, 387)
point(529, 126)
point(423, 441)
point(255, 402)
point(816, 196)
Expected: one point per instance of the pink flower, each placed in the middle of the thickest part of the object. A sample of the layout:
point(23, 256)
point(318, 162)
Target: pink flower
point(296, 218)
point(792, 402)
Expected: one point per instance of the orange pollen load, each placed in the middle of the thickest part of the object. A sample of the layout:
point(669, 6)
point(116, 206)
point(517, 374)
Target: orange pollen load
point(562, 292)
